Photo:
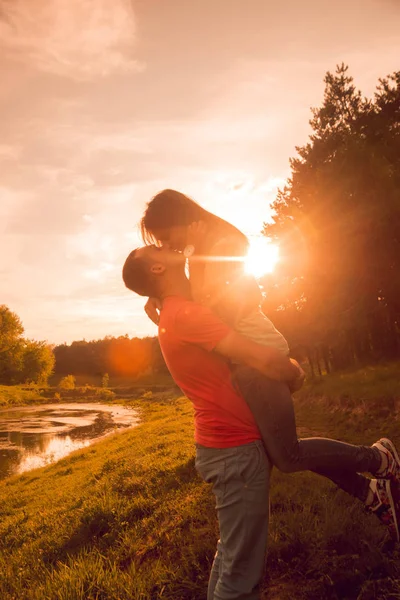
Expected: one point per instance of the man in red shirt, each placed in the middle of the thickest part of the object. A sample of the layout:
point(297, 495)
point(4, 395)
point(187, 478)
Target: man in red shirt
point(229, 451)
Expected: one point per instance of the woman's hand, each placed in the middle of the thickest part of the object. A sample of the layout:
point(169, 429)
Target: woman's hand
point(152, 308)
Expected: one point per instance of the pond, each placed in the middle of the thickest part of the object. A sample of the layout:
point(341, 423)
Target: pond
point(35, 436)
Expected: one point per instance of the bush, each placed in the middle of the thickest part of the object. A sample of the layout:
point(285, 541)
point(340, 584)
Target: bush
point(67, 383)
point(105, 394)
point(86, 390)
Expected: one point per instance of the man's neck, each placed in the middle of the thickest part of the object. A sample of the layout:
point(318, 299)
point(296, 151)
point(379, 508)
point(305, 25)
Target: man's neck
point(177, 288)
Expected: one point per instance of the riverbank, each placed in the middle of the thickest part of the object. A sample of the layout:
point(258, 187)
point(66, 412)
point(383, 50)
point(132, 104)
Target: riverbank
point(129, 518)
point(18, 395)
point(26, 395)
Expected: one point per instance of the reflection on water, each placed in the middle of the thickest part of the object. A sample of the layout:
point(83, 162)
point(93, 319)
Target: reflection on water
point(55, 448)
point(32, 437)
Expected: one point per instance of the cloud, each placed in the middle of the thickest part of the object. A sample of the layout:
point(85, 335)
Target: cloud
point(9, 151)
point(80, 39)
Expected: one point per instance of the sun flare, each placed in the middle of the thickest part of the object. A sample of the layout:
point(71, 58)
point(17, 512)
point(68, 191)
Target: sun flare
point(262, 257)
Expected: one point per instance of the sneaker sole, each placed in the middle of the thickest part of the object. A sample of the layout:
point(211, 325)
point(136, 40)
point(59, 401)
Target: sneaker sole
point(392, 449)
point(393, 507)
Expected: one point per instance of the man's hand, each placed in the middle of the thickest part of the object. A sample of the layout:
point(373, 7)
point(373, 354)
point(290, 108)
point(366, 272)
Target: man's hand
point(152, 308)
point(296, 383)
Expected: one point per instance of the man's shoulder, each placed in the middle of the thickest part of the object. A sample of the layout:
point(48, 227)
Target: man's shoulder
point(178, 318)
point(172, 304)
point(191, 323)
point(180, 308)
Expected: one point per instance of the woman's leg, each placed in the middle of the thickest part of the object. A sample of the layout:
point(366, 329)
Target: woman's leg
point(272, 406)
point(355, 484)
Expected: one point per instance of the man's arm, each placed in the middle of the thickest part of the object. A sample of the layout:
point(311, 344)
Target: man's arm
point(196, 324)
point(270, 361)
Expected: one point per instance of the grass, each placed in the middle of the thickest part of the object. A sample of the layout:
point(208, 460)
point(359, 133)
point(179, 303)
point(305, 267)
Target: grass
point(22, 395)
point(119, 381)
point(129, 518)
point(370, 382)
point(17, 395)
point(25, 395)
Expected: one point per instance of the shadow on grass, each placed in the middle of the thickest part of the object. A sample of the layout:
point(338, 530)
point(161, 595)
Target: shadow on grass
point(101, 524)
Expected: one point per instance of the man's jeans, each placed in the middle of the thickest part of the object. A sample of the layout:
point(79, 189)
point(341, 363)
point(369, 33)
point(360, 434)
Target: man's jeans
point(240, 480)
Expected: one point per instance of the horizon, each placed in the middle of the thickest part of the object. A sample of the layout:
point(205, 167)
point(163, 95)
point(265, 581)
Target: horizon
point(89, 113)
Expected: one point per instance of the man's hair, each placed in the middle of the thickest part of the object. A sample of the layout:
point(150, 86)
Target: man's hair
point(138, 277)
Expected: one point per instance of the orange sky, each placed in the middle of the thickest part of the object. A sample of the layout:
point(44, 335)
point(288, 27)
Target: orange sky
point(102, 104)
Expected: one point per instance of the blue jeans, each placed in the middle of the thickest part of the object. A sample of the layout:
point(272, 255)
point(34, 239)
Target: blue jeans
point(272, 407)
point(240, 483)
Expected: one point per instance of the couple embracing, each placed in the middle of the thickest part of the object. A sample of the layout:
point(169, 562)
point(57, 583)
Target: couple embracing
point(234, 366)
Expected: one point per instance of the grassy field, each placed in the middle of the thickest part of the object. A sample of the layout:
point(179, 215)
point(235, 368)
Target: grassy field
point(87, 389)
point(129, 518)
point(18, 395)
point(122, 382)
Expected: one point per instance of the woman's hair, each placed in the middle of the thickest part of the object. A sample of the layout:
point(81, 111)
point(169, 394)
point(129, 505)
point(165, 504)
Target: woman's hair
point(170, 208)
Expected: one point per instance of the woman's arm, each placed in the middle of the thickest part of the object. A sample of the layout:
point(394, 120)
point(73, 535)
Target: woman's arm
point(218, 280)
point(212, 263)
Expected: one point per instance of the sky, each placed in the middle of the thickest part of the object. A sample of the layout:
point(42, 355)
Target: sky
point(103, 103)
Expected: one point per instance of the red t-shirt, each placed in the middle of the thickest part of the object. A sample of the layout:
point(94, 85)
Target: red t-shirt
point(188, 332)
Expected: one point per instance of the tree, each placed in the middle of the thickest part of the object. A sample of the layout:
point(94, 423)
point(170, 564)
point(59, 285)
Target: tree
point(21, 360)
point(122, 356)
point(38, 362)
point(337, 221)
point(11, 345)
point(11, 328)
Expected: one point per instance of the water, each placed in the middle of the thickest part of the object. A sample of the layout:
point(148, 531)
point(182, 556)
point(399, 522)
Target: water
point(35, 436)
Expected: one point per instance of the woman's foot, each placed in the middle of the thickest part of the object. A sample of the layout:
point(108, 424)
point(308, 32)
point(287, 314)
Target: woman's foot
point(390, 468)
point(384, 502)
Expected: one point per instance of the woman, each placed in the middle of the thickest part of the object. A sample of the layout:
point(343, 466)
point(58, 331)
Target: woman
point(216, 250)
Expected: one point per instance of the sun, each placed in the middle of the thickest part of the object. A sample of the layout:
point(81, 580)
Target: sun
point(261, 258)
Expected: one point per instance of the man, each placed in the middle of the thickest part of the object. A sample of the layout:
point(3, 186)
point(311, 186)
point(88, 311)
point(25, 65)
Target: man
point(229, 451)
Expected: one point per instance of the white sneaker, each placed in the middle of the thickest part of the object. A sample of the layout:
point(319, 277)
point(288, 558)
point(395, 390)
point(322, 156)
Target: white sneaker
point(386, 505)
point(392, 470)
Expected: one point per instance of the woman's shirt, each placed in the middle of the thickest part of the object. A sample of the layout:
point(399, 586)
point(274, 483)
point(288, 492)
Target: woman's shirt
point(257, 327)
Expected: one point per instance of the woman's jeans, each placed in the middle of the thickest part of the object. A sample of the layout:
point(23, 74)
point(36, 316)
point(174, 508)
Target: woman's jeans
point(272, 406)
point(240, 482)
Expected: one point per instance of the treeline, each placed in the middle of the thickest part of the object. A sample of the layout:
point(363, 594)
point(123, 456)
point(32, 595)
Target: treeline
point(120, 356)
point(336, 292)
point(21, 360)
point(28, 361)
